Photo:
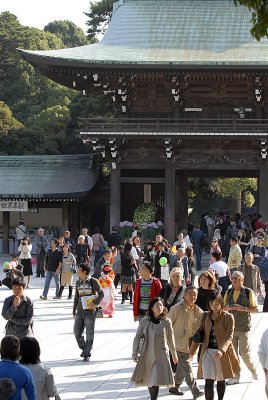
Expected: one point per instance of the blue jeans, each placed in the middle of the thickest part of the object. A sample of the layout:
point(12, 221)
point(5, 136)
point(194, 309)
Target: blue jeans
point(84, 320)
point(97, 255)
point(198, 255)
point(49, 276)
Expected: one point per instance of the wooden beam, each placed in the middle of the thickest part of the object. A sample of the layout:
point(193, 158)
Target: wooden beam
point(142, 180)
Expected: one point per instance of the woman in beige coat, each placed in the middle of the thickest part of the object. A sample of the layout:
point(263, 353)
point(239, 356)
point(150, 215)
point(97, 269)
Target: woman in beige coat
point(218, 359)
point(151, 346)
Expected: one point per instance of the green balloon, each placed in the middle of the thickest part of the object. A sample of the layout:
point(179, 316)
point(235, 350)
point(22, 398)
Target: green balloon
point(6, 264)
point(163, 261)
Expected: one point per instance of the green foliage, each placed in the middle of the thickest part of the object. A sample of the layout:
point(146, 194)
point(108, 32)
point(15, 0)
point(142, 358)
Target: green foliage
point(14, 35)
point(70, 34)
point(125, 232)
point(144, 214)
point(202, 187)
point(259, 19)
point(249, 199)
point(51, 120)
point(86, 107)
point(7, 121)
point(232, 187)
point(150, 233)
point(37, 103)
point(99, 15)
point(26, 141)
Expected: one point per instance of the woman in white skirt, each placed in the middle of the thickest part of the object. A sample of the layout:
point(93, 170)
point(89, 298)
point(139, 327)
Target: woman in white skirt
point(25, 258)
point(218, 359)
point(151, 346)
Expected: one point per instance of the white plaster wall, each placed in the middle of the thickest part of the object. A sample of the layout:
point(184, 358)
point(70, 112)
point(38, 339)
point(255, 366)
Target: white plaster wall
point(47, 217)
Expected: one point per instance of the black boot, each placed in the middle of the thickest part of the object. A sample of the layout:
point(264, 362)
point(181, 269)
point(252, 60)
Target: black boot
point(60, 292)
point(70, 293)
point(123, 297)
point(130, 296)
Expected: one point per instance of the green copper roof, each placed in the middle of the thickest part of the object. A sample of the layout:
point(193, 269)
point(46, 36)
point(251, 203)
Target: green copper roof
point(64, 176)
point(167, 32)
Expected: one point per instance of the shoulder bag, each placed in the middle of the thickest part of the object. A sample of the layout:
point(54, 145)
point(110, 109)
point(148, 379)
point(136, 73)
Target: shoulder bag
point(200, 333)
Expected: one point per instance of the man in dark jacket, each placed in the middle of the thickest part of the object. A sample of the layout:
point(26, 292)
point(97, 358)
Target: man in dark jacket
point(18, 311)
point(197, 237)
point(105, 259)
point(53, 267)
point(114, 239)
point(161, 252)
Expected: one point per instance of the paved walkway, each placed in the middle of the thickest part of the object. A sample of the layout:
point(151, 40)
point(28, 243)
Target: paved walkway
point(107, 375)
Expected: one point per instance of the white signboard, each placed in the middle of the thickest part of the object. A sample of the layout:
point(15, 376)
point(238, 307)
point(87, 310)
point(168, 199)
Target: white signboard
point(147, 193)
point(13, 205)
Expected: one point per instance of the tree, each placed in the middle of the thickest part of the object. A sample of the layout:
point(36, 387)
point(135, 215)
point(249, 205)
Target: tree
point(52, 120)
point(69, 33)
point(27, 141)
point(234, 188)
point(100, 14)
point(259, 19)
point(13, 35)
point(7, 121)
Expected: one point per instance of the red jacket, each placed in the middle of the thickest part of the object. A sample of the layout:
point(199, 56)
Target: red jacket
point(155, 292)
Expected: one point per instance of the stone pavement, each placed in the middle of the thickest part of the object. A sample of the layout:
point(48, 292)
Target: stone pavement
point(107, 375)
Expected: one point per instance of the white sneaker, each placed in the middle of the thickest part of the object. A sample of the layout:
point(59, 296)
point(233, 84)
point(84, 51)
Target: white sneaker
point(232, 381)
point(255, 375)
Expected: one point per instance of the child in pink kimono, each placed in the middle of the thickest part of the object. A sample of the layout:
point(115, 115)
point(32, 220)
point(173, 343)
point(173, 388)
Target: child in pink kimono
point(107, 303)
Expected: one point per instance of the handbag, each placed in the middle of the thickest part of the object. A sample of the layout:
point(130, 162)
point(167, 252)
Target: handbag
point(99, 313)
point(200, 333)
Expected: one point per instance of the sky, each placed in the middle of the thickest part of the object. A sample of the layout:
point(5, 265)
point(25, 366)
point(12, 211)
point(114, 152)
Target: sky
point(38, 13)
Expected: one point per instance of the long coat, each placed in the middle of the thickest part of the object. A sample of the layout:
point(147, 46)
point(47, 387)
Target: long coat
point(163, 342)
point(224, 330)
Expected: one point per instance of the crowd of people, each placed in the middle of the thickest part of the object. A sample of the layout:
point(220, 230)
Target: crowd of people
point(175, 318)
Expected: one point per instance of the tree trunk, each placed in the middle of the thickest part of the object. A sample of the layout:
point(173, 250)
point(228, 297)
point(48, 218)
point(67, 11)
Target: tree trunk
point(236, 205)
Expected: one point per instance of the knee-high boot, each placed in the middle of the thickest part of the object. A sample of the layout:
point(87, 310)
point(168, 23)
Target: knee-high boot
point(70, 293)
point(130, 296)
point(61, 291)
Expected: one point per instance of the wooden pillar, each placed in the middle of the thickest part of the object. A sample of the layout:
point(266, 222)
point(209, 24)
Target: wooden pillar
point(182, 202)
point(263, 191)
point(74, 219)
point(6, 220)
point(65, 215)
point(115, 198)
point(170, 201)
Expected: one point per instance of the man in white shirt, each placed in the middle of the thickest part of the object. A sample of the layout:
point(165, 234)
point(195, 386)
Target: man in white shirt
point(88, 239)
point(180, 242)
point(222, 270)
point(21, 230)
point(135, 255)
